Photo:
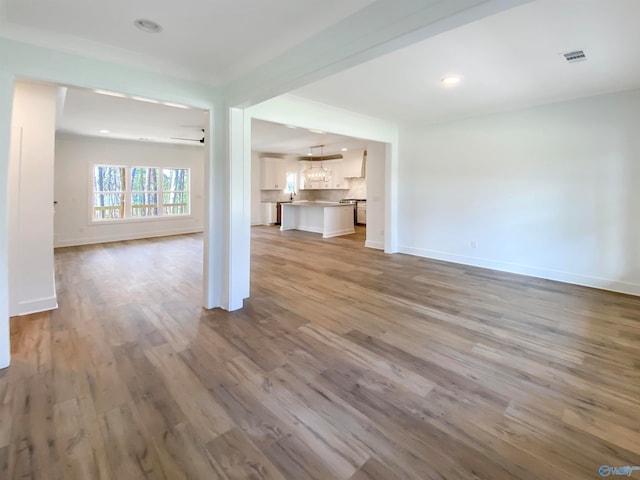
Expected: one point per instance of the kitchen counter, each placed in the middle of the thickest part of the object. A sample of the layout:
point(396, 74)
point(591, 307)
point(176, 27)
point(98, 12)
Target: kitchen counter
point(309, 203)
point(331, 219)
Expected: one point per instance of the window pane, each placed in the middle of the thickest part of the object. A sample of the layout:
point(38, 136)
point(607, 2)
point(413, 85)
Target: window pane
point(175, 183)
point(108, 206)
point(144, 204)
point(176, 203)
point(175, 197)
point(175, 179)
point(144, 179)
point(291, 183)
point(176, 209)
point(107, 178)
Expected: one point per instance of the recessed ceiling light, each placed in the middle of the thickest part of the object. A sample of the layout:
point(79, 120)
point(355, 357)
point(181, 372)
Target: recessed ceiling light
point(111, 94)
point(343, 149)
point(104, 131)
point(292, 127)
point(143, 99)
point(148, 26)
point(312, 130)
point(451, 80)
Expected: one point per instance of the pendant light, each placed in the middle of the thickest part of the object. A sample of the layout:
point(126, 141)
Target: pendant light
point(316, 174)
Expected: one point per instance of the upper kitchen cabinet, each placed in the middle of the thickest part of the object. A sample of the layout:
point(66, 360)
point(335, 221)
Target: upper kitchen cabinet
point(337, 174)
point(273, 173)
point(354, 164)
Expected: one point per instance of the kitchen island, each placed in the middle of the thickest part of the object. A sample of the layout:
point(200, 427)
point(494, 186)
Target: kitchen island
point(331, 219)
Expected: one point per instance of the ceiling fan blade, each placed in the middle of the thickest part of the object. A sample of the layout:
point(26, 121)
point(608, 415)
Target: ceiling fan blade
point(201, 140)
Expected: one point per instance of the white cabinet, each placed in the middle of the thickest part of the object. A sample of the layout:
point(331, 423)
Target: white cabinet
point(270, 174)
point(337, 177)
point(361, 213)
point(273, 172)
point(269, 212)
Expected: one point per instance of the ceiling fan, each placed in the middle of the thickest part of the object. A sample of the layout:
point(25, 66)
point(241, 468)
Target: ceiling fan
point(201, 140)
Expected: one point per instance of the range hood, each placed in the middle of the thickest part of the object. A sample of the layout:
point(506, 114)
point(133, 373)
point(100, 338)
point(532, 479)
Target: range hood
point(362, 171)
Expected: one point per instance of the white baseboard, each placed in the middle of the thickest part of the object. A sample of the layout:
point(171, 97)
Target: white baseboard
point(34, 306)
point(373, 244)
point(73, 242)
point(308, 229)
point(337, 233)
point(566, 277)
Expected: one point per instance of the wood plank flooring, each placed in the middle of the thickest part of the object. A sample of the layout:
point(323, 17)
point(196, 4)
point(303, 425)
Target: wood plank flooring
point(346, 363)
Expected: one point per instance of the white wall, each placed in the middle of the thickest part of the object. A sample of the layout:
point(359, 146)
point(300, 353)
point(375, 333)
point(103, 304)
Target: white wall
point(75, 157)
point(375, 179)
point(550, 191)
point(256, 209)
point(31, 265)
point(6, 134)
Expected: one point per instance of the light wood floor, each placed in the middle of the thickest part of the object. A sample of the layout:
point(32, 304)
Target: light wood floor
point(346, 363)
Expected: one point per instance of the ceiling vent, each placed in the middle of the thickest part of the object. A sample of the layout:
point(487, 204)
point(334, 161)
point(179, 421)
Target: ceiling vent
point(574, 56)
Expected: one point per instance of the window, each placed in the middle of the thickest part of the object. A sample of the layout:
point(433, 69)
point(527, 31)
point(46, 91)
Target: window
point(175, 186)
point(144, 192)
point(108, 192)
point(139, 192)
point(291, 183)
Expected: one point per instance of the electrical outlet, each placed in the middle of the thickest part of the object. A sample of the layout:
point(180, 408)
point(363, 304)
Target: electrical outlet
point(474, 244)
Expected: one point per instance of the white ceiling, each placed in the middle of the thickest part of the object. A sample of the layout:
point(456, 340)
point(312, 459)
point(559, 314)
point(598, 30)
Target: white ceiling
point(277, 138)
point(508, 61)
point(210, 40)
point(84, 112)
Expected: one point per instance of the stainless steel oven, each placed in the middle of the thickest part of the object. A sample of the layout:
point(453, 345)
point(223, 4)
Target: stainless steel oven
point(358, 203)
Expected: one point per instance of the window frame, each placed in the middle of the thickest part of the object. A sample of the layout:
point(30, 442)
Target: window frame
point(128, 193)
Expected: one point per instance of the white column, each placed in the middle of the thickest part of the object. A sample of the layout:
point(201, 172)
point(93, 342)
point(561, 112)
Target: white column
point(31, 264)
point(391, 198)
point(214, 173)
point(227, 245)
point(240, 221)
point(6, 101)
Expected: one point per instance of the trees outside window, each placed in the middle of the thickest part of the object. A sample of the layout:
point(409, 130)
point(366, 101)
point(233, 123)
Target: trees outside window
point(108, 192)
point(175, 185)
point(148, 192)
point(144, 192)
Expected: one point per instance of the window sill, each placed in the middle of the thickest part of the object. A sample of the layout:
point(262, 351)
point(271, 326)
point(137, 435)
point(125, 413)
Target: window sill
point(96, 223)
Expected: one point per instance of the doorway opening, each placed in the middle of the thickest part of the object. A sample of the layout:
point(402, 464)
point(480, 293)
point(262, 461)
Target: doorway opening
point(329, 169)
point(117, 168)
